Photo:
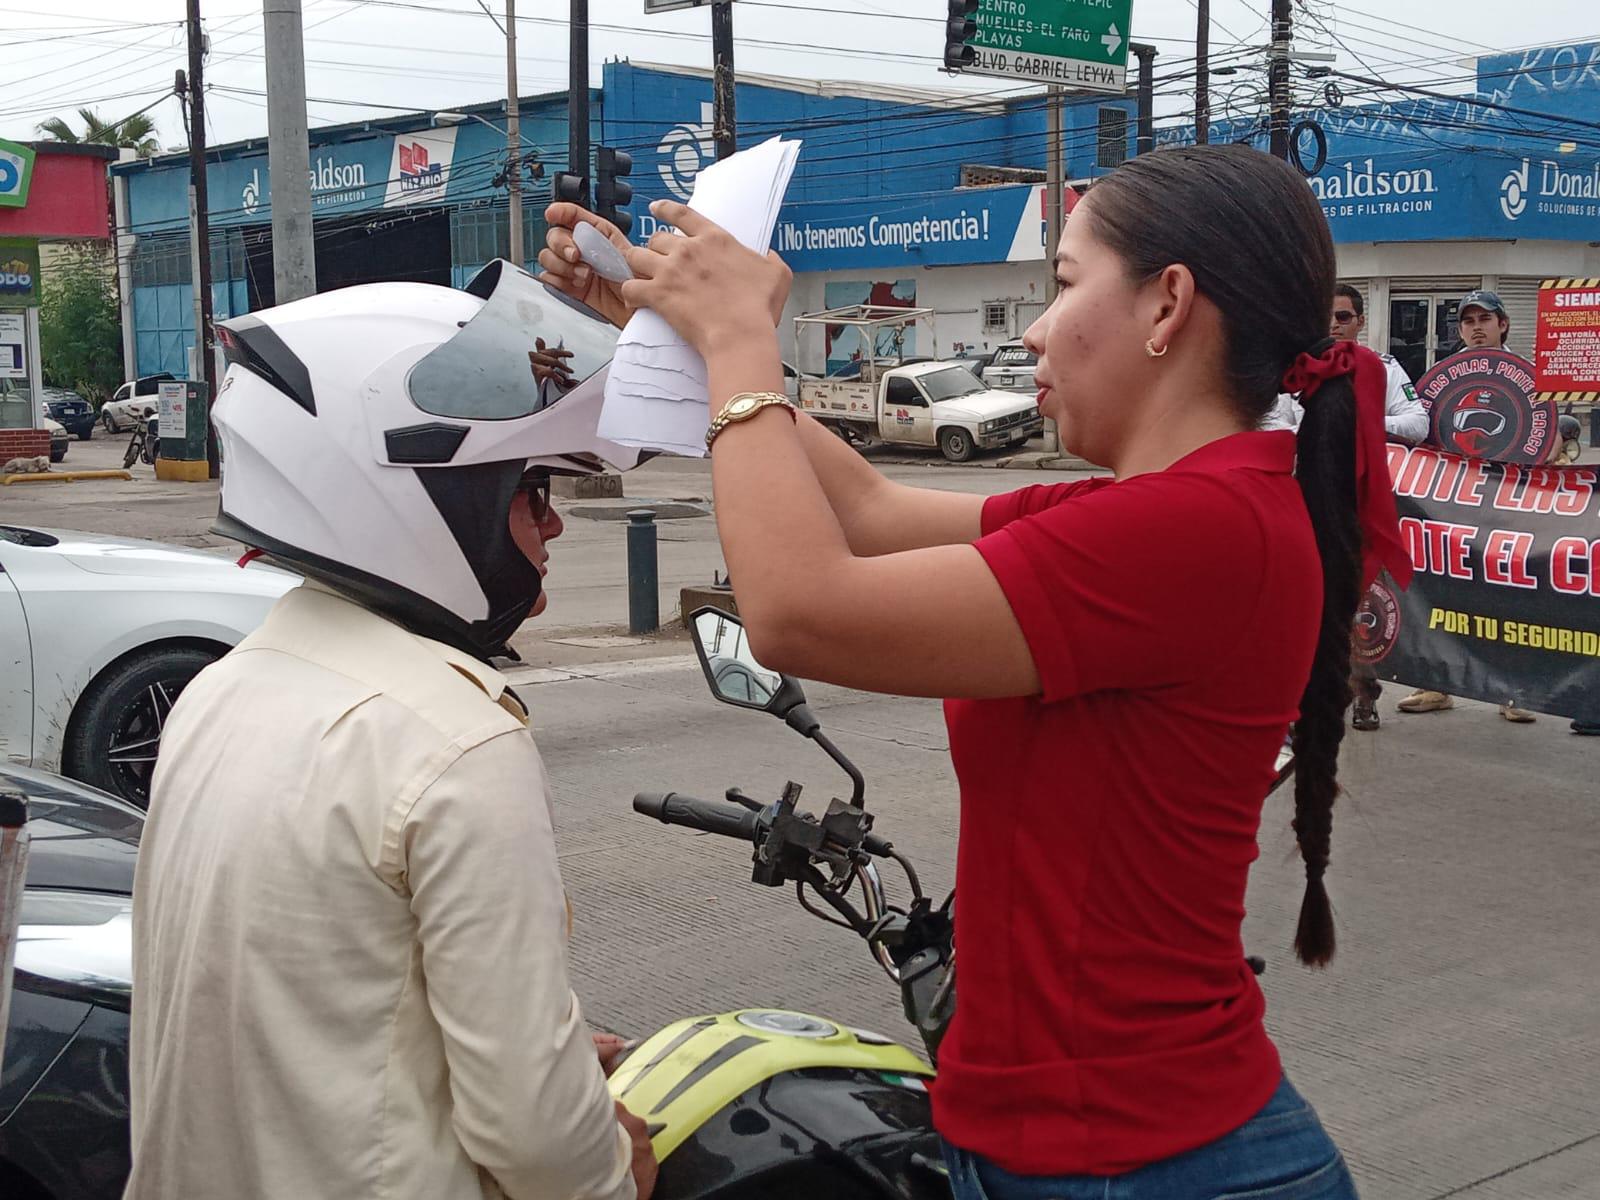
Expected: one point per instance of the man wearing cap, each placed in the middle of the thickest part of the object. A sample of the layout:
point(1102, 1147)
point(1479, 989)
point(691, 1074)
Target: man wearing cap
point(1483, 325)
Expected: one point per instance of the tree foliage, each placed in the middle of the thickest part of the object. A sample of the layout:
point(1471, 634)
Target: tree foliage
point(80, 325)
point(133, 133)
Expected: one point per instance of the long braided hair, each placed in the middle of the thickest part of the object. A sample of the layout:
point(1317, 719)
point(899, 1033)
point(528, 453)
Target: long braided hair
point(1249, 229)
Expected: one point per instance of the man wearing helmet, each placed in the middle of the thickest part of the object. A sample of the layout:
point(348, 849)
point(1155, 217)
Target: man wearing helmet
point(350, 961)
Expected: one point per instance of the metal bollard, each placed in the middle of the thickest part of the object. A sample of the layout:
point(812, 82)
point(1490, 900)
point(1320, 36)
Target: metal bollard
point(644, 591)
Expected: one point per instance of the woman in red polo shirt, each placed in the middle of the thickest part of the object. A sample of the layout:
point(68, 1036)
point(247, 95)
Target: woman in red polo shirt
point(1120, 659)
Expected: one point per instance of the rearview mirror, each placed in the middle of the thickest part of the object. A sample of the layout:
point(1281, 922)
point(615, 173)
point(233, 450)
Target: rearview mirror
point(732, 671)
point(737, 677)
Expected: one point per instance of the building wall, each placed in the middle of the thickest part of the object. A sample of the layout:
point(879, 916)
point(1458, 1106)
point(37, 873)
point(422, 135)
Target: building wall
point(958, 296)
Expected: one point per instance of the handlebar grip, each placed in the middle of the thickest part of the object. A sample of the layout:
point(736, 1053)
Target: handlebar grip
point(709, 816)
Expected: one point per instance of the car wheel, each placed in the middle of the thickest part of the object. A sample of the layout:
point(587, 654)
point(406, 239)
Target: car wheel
point(956, 444)
point(86, 433)
point(58, 455)
point(116, 728)
point(105, 419)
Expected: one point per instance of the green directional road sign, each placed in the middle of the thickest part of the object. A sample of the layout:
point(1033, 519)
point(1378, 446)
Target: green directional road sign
point(1079, 44)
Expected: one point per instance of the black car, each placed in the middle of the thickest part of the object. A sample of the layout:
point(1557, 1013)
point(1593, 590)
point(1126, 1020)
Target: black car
point(64, 1091)
point(72, 410)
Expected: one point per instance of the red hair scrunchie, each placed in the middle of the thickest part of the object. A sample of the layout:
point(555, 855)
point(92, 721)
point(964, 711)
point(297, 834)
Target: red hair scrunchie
point(1375, 508)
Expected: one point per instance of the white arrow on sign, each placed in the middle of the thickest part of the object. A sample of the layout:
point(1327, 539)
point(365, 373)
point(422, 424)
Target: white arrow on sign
point(1112, 39)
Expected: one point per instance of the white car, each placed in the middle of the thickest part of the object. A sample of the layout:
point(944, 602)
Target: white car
point(134, 399)
point(98, 635)
point(1012, 368)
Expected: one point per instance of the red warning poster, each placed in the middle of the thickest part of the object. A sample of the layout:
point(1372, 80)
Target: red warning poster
point(1566, 347)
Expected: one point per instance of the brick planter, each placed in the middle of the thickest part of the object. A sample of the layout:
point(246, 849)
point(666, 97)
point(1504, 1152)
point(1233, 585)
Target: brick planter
point(24, 443)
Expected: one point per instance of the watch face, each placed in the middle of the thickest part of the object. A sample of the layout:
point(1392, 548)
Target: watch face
point(742, 405)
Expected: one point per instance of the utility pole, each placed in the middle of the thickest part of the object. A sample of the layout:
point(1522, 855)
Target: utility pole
point(294, 262)
point(578, 97)
point(1202, 73)
point(723, 122)
point(1278, 80)
point(1147, 91)
point(514, 134)
point(199, 237)
point(1055, 185)
point(1055, 176)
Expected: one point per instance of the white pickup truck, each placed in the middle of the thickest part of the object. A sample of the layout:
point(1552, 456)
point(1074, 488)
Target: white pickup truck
point(919, 403)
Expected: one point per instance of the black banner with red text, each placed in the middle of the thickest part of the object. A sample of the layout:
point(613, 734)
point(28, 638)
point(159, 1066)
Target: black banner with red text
point(1505, 602)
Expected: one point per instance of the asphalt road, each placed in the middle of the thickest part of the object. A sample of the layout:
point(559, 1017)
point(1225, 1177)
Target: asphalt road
point(1453, 1048)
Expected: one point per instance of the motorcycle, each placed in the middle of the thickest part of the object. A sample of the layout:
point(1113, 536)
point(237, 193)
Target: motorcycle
point(785, 1105)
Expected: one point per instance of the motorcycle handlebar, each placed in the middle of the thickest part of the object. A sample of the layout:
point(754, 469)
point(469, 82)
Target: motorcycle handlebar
point(709, 816)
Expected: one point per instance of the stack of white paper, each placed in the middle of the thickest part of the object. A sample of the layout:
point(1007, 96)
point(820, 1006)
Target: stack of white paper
point(657, 394)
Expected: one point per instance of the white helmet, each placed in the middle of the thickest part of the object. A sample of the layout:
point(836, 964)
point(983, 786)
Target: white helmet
point(374, 437)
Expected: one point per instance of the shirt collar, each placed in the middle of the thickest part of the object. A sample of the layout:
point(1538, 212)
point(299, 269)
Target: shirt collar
point(301, 627)
point(1272, 451)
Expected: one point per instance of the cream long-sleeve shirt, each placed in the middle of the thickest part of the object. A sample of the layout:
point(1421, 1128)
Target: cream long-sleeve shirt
point(350, 973)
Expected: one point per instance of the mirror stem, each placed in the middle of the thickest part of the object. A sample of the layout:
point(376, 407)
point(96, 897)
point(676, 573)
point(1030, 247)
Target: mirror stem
point(803, 721)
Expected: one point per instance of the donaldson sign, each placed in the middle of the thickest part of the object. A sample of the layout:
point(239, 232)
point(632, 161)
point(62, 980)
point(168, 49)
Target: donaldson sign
point(1552, 189)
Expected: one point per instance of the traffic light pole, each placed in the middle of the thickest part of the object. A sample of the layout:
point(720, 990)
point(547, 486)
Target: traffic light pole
point(578, 99)
point(723, 120)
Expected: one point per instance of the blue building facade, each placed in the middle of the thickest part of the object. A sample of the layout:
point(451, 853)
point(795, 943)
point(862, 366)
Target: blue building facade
point(909, 196)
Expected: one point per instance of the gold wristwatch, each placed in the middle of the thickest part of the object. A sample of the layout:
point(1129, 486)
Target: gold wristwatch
point(744, 406)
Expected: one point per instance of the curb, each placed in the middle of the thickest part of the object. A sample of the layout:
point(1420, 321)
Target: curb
point(62, 477)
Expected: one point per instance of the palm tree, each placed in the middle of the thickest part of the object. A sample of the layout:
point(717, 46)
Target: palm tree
point(134, 133)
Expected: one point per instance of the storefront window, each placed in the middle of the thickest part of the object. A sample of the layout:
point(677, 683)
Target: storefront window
point(1422, 330)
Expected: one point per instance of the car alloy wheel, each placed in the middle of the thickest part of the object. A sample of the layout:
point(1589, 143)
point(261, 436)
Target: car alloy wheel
point(116, 733)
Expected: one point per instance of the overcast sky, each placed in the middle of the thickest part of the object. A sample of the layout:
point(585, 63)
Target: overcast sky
point(385, 56)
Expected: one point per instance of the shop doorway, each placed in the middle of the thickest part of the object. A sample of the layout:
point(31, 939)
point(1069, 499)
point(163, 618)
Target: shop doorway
point(1422, 330)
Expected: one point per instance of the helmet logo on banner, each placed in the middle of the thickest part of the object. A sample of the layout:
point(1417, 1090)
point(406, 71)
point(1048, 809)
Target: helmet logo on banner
point(1486, 404)
point(685, 152)
point(1377, 623)
point(1514, 192)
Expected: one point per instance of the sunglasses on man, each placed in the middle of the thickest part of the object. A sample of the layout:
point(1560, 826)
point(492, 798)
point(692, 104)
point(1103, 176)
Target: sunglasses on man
point(536, 484)
point(1343, 316)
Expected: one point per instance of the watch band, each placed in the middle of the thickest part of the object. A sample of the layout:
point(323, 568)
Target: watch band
point(744, 406)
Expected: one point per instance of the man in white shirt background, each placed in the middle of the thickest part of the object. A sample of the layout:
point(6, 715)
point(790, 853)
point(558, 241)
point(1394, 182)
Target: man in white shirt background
point(350, 966)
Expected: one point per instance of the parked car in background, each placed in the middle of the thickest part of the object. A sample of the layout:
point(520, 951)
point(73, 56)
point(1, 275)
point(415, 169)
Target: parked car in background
point(72, 410)
point(60, 439)
point(1012, 368)
point(974, 359)
point(134, 399)
point(105, 632)
point(64, 1095)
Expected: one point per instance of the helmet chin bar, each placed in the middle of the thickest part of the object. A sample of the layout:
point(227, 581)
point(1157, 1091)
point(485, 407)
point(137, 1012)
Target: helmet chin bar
point(481, 639)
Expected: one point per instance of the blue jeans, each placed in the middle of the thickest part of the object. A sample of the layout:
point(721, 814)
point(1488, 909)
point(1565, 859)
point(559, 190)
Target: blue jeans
point(1281, 1153)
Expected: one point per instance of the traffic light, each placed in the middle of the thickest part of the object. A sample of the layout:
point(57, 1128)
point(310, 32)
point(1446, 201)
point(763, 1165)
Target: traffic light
point(959, 31)
point(612, 193)
point(570, 188)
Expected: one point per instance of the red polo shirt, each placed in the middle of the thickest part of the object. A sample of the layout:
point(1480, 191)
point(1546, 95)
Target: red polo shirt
point(1106, 1017)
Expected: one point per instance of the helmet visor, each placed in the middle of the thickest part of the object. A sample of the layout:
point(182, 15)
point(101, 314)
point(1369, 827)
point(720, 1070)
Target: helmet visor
point(526, 348)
